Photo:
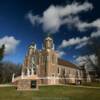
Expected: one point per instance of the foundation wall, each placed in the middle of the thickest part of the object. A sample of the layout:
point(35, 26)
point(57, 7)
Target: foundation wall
point(26, 85)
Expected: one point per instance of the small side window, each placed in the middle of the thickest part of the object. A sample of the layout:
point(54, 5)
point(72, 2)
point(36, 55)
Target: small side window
point(58, 70)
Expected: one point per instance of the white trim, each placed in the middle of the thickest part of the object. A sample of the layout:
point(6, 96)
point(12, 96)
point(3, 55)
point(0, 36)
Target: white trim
point(58, 78)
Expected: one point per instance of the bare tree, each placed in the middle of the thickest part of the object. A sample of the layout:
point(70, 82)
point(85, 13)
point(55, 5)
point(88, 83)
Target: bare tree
point(94, 48)
point(6, 71)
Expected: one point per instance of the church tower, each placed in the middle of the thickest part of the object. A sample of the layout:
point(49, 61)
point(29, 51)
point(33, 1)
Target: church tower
point(48, 68)
point(48, 43)
point(29, 66)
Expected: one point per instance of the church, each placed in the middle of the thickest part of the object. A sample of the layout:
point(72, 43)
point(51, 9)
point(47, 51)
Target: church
point(44, 67)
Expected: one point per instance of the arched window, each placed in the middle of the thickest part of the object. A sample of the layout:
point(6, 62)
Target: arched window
point(58, 70)
point(63, 72)
point(53, 59)
point(34, 71)
point(30, 71)
point(33, 60)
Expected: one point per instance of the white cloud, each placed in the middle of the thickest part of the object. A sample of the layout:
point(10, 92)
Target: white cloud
point(81, 45)
point(51, 19)
point(96, 23)
point(84, 25)
point(79, 42)
point(10, 43)
point(55, 16)
point(33, 19)
point(95, 34)
point(80, 25)
point(73, 41)
point(60, 53)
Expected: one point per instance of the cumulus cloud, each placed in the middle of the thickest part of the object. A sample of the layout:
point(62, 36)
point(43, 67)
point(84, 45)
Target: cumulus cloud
point(73, 41)
point(10, 43)
point(95, 34)
point(79, 42)
point(60, 53)
point(81, 45)
point(82, 26)
point(33, 19)
point(55, 16)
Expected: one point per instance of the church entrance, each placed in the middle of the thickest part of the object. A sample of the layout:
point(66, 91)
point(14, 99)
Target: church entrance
point(33, 84)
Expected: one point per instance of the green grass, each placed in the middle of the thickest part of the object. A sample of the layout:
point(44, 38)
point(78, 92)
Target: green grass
point(94, 84)
point(50, 93)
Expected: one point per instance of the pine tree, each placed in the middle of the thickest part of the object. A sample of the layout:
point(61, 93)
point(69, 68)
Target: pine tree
point(2, 49)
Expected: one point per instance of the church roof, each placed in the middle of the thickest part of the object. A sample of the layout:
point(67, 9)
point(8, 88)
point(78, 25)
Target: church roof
point(66, 63)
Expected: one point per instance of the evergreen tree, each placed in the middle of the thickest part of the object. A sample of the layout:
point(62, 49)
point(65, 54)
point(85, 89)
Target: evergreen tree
point(2, 49)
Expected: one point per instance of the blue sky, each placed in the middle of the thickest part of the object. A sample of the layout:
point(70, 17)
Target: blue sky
point(71, 24)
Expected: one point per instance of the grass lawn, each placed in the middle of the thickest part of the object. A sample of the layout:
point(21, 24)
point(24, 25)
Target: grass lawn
point(94, 84)
point(51, 93)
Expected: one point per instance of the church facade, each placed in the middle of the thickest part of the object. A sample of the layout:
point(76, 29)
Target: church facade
point(44, 67)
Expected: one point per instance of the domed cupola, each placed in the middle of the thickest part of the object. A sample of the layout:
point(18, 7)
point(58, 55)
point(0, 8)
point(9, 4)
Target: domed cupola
point(48, 43)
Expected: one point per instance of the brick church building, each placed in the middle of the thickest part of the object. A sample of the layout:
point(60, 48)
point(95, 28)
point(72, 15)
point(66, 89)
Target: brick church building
point(44, 67)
